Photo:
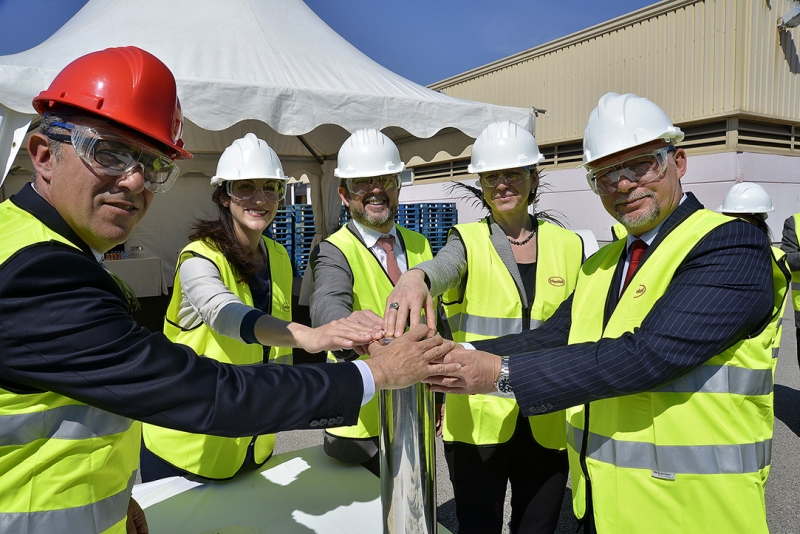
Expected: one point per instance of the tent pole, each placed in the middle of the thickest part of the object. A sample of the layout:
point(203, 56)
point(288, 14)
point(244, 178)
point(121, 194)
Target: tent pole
point(311, 150)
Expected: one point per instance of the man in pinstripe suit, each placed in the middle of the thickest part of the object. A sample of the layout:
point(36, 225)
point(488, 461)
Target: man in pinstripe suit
point(669, 383)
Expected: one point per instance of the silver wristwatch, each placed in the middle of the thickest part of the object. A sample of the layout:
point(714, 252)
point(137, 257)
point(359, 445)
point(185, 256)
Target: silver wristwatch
point(503, 382)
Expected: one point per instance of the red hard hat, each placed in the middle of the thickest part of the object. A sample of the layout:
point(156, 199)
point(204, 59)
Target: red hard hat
point(126, 85)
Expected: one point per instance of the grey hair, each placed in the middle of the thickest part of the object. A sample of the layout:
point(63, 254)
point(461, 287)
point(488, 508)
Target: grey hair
point(44, 127)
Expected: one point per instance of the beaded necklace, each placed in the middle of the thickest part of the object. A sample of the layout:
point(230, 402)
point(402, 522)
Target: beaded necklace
point(520, 243)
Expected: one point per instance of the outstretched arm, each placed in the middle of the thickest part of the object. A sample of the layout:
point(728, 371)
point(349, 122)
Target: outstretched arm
point(721, 294)
point(412, 295)
point(207, 299)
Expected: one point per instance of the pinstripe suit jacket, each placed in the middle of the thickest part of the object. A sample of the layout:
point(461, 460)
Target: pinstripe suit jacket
point(721, 293)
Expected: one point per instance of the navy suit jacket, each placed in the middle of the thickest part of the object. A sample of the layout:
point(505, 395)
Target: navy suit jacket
point(720, 294)
point(65, 327)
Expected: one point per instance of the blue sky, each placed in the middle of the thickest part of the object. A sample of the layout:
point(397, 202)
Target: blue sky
point(422, 40)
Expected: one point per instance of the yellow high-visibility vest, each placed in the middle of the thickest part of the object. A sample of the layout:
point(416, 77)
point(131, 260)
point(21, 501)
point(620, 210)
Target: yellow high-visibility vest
point(215, 456)
point(620, 232)
point(491, 306)
point(371, 288)
point(780, 259)
point(64, 466)
point(692, 455)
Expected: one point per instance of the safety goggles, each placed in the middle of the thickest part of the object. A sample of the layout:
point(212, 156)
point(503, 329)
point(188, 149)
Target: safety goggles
point(273, 190)
point(642, 170)
point(362, 186)
point(110, 154)
point(510, 178)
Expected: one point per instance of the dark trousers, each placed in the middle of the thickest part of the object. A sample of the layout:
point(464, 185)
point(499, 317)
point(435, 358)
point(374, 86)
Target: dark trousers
point(354, 451)
point(152, 467)
point(479, 475)
point(797, 337)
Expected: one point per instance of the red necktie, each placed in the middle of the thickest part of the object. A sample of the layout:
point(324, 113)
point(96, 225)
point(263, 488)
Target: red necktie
point(638, 248)
point(387, 244)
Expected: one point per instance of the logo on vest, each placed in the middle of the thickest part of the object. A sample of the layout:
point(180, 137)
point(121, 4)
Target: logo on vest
point(663, 475)
point(641, 290)
point(556, 281)
point(286, 307)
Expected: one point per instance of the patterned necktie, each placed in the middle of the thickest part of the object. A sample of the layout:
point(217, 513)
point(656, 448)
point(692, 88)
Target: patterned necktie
point(387, 244)
point(638, 248)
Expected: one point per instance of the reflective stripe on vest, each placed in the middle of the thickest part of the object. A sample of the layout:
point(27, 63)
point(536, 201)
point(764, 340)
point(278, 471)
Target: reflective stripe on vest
point(722, 379)
point(489, 327)
point(671, 445)
point(209, 456)
point(490, 288)
point(102, 516)
point(72, 421)
point(371, 288)
point(65, 466)
point(674, 459)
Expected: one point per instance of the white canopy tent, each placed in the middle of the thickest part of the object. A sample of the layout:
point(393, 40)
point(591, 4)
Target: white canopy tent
point(267, 66)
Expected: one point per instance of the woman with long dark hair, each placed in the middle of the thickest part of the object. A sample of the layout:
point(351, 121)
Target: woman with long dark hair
point(232, 302)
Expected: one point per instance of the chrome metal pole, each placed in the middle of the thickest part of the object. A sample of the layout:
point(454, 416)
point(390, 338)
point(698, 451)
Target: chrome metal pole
point(408, 461)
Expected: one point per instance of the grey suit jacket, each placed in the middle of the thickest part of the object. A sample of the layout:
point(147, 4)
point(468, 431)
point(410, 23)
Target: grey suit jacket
point(791, 247)
point(332, 278)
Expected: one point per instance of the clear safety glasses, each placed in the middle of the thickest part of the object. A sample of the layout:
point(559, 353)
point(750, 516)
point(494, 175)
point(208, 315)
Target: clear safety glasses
point(362, 186)
point(273, 190)
point(642, 170)
point(510, 178)
point(110, 154)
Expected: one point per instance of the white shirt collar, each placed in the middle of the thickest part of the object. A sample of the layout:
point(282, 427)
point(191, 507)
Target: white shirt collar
point(371, 236)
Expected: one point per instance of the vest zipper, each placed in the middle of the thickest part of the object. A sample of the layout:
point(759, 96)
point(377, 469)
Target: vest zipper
point(526, 310)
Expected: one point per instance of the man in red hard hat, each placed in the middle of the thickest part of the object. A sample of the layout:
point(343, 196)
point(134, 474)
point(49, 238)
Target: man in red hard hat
point(77, 372)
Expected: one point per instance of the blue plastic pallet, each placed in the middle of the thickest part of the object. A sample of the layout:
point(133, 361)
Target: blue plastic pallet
point(294, 226)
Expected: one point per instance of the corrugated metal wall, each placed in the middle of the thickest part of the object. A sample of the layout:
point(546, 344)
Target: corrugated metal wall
point(696, 59)
point(772, 73)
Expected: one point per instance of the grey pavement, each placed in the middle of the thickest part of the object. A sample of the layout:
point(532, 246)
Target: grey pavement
point(783, 486)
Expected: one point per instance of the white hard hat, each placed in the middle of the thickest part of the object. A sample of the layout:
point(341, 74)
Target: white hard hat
point(504, 145)
point(248, 158)
point(620, 122)
point(747, 197)
point(368, 152)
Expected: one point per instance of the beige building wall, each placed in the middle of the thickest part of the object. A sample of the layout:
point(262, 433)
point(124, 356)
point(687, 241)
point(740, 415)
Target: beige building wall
point(698, 60)
point(720, 69)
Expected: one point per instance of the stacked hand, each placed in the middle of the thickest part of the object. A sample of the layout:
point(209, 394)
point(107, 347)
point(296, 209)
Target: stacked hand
point(410, 358)
point(477, 372)
point(354, 332)
point(407, 300)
